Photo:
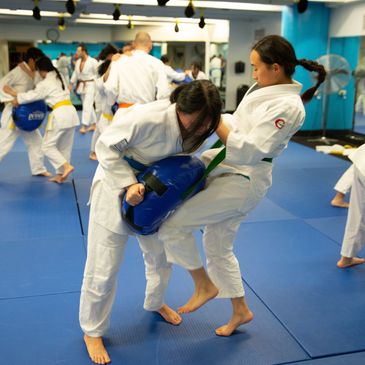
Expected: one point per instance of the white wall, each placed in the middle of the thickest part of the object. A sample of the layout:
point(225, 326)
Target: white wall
point(347, 20)
point(241, 39)
point(32, 33)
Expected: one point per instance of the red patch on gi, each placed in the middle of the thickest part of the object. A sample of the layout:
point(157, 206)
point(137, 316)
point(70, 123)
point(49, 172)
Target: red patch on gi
point(279, 123)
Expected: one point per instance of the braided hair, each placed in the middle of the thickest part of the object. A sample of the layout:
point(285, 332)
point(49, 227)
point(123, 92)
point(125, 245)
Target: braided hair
point(276, 49)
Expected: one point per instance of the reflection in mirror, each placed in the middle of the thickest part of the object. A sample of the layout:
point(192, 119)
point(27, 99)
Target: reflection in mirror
point(359, 114)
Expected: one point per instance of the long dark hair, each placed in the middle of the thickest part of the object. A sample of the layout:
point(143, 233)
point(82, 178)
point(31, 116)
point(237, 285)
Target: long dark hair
point(102, 68)
point(198, 96)
point(45, 64)
point(275, 49)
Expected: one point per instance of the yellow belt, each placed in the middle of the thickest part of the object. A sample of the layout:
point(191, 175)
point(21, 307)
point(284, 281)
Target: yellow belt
point(61, 103)
point(57, 105)
point(108, 116)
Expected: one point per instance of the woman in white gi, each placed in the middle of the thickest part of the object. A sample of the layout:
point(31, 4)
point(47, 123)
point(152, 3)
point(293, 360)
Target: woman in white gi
point(60, 129)
point(354, 238)
point(84, 77)
point(145, 133)
point(22, 78)
point(259, 130)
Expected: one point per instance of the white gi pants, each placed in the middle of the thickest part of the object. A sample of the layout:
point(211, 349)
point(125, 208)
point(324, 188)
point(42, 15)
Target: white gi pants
point(220, 207)
point(344, 183)
point(87, 98)
point(32, 141)
point(354, 238)
point(104, 256)
point(57, 146)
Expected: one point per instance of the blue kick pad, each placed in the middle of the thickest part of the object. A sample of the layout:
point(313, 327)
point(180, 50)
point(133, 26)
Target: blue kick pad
point(138, 337)
point(37, 209)
point(292, 268)
point(41, 266)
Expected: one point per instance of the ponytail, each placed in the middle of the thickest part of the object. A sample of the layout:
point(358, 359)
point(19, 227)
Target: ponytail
point(59, 76)
point(321, 76)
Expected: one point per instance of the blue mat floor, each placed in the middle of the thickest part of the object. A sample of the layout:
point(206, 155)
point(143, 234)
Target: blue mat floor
point(306, 310)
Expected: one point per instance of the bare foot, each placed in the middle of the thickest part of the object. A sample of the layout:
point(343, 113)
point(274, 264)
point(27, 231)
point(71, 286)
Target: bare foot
point(91, 128)
point(199, 298)
point(67, 169)
point(349, 261)
point(57, 179)
point(236, 321)
point(339, 203)
point(96, 350)
point(45, 174)
point(92, 156)
point(169, 315)
point(83, 129)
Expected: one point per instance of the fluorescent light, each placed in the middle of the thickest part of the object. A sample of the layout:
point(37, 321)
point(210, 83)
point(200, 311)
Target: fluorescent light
point(30, 13)
point(200, 4)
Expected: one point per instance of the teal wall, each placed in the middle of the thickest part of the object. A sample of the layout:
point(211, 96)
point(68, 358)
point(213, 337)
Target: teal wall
point(340, 111)
point(308, 33)
point(52, 50)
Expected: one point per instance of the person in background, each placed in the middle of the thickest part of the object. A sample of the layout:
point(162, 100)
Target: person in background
point(354, 237)
point(102, 111)
point(60, 129)
point(215, 70)
point(83, 78)
point(195, 72)
point(171, 74)
point(63, 67)
point(22, 78)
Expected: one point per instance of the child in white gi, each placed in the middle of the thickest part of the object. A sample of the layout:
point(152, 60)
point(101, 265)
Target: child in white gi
point(145, 133)
point(60, 129)
point(22, 78)
point(259, 130)
point(354, 238)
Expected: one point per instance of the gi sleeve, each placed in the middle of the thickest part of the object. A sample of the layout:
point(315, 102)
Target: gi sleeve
point(272, 129)
point(6, 80)
point(121, 135)
point(39, 93)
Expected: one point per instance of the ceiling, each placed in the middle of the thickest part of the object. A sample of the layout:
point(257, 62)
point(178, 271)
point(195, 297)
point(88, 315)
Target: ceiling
point(100, 11)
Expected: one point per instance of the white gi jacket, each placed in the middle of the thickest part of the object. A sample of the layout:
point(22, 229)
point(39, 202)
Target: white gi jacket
point(261, 127)
point(20, 81)
point(146, 133)
point(173, 75)
point(89, 72)
point(50, 90)
point(140, 78)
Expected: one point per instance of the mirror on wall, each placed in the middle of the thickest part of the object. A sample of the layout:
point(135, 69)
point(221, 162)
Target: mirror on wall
point(359, 107)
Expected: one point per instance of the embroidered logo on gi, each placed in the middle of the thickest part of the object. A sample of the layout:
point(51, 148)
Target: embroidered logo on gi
point(279, 123)
point(121, 146)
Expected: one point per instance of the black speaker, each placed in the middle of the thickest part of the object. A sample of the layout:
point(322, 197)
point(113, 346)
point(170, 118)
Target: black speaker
point(239, 67)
